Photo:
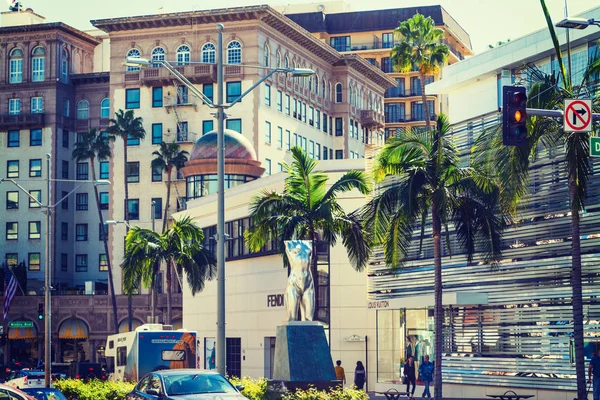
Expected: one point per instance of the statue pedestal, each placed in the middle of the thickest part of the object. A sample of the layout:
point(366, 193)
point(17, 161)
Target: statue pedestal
point(302, 356)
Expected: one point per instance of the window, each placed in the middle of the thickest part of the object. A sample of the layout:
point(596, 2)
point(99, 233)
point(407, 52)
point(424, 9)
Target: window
point(35, 137)
point(133, 209)
point(83, 109)
point(131, 141)
point(65, 139)
point(318, 119)
point(323, 87)
point(288, 137)
point(132, 98)
point(267, 132)
point(311, 116)
point(279, 137)
point(338, 92)
point(339, 154)
point(12, 230)
point(157, 97)
point(80, 137)
point(268, 95)
point(340, 43)
point(105, 108)
point(37, 194)
point(234, 125)
point(182, 131)
point(102, 231)
point(182, 95)
point(325, 153)
point(207, 126)
point(234, 90)
point(104, 170)
point(65, 203)
point(317, 151)
point(81, 232)
point(267, 167)
point(82, 171)
point(15, 68)
point(14, 138)
point(81, 201)
point(157, 134)
point(278, 59)
point(324, 122)
point(303, 110)
point(133, 172)
point(102, 263)
point(208, 53)
point(158, 54)
point(207, 90)
point(296, 113)
point(12, 200)
point(183, 55)
point(12, 169)
point(34, 230)
point(64, 231)
point(37, 105)
point(157, 174)
point(234, 52)
point(279, 98)
point(386, 65)
point(34, 261)
point(66, 108)
point(287, 104)
point(387, 40)
point(267, 55)
point(311, 149)
point(157, 207)
point(64, 262)
point(35, 168)
point(394, 112)
point(14, 106)
point(339, 127)
point(103, 200)
point(133, 53)
point(81, 263)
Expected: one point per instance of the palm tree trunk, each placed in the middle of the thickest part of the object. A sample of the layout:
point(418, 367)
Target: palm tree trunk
point(438, 310)
point(169, 288)
point(169, 170)
point(129, 299)
point(576, 286)
point(424, 99)
point(111, 287)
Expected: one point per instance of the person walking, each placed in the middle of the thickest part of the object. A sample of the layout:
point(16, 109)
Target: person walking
point(426, 374)
point(359, 375)
point(340, 375)
point(594, 373)
point(410, 376)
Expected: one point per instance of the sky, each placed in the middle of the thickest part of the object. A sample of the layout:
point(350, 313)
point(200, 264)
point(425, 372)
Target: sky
point(486, 21)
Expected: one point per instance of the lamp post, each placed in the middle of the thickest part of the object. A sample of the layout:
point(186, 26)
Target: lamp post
point(220, 115)
point(48, 207)
point(577, 23)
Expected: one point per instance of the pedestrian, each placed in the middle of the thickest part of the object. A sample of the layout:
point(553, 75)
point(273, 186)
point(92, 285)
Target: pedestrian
point(594, 372)
point(360, 375)
point(410, 376)
point(340, 375)
point(426, 375)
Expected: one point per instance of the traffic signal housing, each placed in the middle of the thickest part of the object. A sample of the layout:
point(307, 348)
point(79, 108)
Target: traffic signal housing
point(514, 116)
point(40, 311)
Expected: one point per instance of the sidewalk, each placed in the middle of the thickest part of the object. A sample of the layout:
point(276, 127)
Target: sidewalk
point(373, 396)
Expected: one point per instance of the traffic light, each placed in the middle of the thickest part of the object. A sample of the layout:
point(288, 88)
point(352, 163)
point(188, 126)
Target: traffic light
point(514, 116)
point(40, 311)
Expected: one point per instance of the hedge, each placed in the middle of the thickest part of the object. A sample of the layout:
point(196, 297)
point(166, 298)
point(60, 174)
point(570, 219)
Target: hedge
point(93, 390)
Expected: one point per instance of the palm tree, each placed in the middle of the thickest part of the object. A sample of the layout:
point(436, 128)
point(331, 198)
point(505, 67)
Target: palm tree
point(429, 181)
point(167, 157)
point(307, 209)
point(419, 46)
point(179, 246)
point(126, 126)
point(91, 146)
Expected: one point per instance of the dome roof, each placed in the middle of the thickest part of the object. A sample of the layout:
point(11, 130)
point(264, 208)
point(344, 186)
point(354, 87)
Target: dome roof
point(236, 146)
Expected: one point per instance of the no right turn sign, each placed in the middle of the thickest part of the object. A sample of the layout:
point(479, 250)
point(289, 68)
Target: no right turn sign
point(578, 115)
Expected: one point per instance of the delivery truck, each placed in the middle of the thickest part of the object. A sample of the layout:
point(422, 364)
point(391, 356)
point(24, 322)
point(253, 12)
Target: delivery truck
point(151, 347)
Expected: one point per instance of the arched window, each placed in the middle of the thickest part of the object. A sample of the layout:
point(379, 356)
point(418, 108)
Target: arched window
point(64, 66)
point(267, 55)
point(323, 87)
point(316, 87)
point(234, 52)
point(350, 93)
point(38, 62)
point(183, 55)
point(310, 81)
point(278, 59)
point(133, 53)
point(16, 66)
point(105, 108)
point(158, 54)
point(208, 53)
point(338, 92)
point(286, 62)
point(329, 92)
point(83, 109)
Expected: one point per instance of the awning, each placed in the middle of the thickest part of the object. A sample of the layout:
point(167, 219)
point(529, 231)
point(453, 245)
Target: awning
point(73, 328)
point(177, 323)
point(124, 325)
point(22, 333)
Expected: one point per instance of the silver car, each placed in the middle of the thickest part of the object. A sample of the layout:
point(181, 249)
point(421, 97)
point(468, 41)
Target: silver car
point(184, 384)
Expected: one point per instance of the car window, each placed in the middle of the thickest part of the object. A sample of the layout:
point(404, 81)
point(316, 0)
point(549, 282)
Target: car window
point(6, 394)
point(155, 384)
point(143, 385)
point(197, 383)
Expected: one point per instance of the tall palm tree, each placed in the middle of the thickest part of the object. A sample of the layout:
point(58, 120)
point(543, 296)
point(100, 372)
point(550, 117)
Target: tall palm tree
point(307, 209)
point(93, 146)
point(168, 157)
point(419, 46)
point(429, 181)
point(179, 246)
point(127, 126)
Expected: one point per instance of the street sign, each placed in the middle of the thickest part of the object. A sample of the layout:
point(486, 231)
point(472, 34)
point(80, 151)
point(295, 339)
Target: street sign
point(578, 115)
point(20, 324)
point(595, 146)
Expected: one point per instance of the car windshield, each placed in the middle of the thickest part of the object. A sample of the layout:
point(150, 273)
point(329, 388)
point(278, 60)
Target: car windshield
point(45, 394)
point(196, 384)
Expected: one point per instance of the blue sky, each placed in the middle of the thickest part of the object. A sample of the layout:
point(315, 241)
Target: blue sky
point(487, 21)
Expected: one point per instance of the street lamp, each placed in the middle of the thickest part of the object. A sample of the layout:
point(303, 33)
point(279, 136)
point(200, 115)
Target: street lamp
point(47, 253)
point(577, 23)
point(220, 106)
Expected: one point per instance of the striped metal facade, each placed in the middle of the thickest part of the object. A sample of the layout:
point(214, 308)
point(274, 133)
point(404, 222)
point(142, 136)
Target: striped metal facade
point(522, 337)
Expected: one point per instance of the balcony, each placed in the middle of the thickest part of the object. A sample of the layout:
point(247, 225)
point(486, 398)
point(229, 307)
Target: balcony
point(453, 50)
point(370, 118)
point(395, 92)
point(198, 73)
point(18, 121)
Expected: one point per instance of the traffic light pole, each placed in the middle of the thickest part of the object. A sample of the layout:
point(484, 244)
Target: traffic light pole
point(553, 113)
point(47, 282)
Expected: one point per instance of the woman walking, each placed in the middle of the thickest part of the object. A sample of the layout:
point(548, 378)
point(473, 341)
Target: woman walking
point(410, 376)
point(359, 375)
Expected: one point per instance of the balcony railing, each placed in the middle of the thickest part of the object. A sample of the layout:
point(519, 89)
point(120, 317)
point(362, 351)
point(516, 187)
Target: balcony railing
point(395, 92)
point(420, 117)
point(371, 118)
point(453, 50)
point(16, 121)
point(197, 73)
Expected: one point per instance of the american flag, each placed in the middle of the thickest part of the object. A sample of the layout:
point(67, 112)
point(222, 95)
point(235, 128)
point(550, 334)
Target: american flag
point(10, 289)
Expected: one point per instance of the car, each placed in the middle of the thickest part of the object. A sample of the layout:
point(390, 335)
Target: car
point(184, 384)
point(11, 393)
point(45, 393)
point(27, 378)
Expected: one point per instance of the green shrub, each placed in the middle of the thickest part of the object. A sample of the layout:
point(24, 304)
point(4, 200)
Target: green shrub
point(336, 394)
point(93, 390)
point(254, 389)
